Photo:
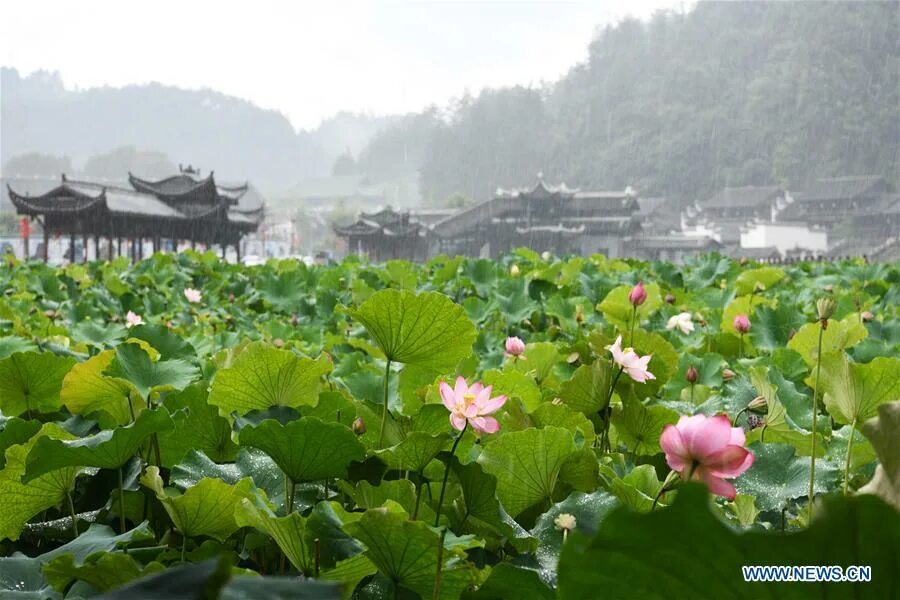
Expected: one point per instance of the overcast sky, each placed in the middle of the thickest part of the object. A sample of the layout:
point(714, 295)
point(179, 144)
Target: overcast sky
point(309, 60)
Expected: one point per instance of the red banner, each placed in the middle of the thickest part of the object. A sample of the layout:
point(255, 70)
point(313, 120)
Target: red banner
point(25, 228)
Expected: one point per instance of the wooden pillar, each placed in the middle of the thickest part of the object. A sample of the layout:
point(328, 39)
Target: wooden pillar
point(27, 239)
point(46, 239)
point(72, 247)
point(224, 247)
point(119, 246)
point(96, 247)
point(84, 246)
point(141, 248)
point(237, 249)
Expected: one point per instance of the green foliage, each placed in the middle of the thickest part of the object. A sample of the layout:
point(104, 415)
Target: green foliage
point(235, 448)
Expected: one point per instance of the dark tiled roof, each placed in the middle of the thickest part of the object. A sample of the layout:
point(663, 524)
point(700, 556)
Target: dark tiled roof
point(743, 197)
point(843, 188)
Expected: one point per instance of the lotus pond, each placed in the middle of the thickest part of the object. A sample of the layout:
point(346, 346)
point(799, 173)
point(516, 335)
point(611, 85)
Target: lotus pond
point(531, 427)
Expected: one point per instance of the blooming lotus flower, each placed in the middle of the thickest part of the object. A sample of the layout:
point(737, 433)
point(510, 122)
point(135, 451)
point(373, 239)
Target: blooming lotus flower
point(682, 322)
point(514, 346)
point(132, 319)
point(742, 324)
point(638, 294)
point(707, 449)
point(193, 295)
point(471, 404)
point(628, 359)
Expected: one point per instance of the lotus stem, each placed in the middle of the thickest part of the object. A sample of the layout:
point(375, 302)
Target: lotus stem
point(384, 410)
point(437, 517)
point(415, 514)
point(183, 547)
point(121, 501)
point(741, 346)
point(633, 319)
point(440, 564)
point(72, 513)
point(849, 454)
point(815, 410)
point(318, 554)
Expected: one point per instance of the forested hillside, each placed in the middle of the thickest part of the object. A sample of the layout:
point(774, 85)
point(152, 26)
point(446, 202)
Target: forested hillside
point(727, 94)
point(202, 127)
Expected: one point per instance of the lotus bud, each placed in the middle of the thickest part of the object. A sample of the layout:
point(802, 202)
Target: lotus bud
point(727, 374)
point(867, 316)
point(791, 333)
point(573, 358)
point(638, 294)
point(359, 426)
point(825, 307)
point(546, 256)
point(742, 324)
point(50, 313)
point(579, 314)
point(692, 375)
point(231, 298)
point(759, 286)
point(743, 261)
point(278, 342)
point(514, 346)
point(759, 405)
point(670, 298)
point(514, 270)
point(294, 320)
point(829, 288)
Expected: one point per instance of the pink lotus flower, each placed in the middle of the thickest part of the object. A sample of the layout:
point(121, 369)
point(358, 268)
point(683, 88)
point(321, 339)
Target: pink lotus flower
point(707, 449)
point(514, 346)
point(742, 324)
point(193, 295)
point(471, 404)
point(132, 319)
point(628, 359)
point(638, 294)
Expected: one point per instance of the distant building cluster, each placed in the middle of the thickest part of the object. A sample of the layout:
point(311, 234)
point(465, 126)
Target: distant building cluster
point(835, 217)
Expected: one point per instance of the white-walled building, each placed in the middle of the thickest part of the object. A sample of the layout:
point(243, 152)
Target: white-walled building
point(784, 237)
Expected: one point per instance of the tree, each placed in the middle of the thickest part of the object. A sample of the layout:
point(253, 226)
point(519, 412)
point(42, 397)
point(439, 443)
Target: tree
point(35, 164)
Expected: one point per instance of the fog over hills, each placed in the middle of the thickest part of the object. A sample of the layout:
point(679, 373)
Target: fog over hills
point(205, 128)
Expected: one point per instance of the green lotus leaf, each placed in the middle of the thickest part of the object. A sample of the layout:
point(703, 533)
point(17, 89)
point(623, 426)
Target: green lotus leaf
point(20, 501)
point(589, 511)
point(658, 554)
point(207, 508)
point(426, 329)
point(540, 358)
point(509, 581)
point(15, 431)
point(638, 489)
point(109, 571)
point(202, 429)
point(779, 426)
point(588, 389)
point(102, 335)
point(169, 344)
point(772, 327)
point(30, 382)
point(349, 573)
point(617, 309)
point(307, 449)
point(853, 392)
point(514, 385)
point(527, 465)
point(415, 452)
point(87, 391)
point(290, 532)
point(560, 415)
point(639, 426)
point(882, 432)
point(269, 588)
point(778, 476)
point(406, 552)
point(263, 376)
point(839, 336)
point(759, 280)
point(134, 364)
point(10, 344)
point(109, 449)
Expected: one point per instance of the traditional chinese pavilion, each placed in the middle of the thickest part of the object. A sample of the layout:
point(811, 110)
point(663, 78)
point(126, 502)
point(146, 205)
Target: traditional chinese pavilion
point(177, 209)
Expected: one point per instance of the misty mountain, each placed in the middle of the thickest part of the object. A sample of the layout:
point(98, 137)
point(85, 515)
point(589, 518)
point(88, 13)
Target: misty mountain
point(204, 128)
point(728, 94)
